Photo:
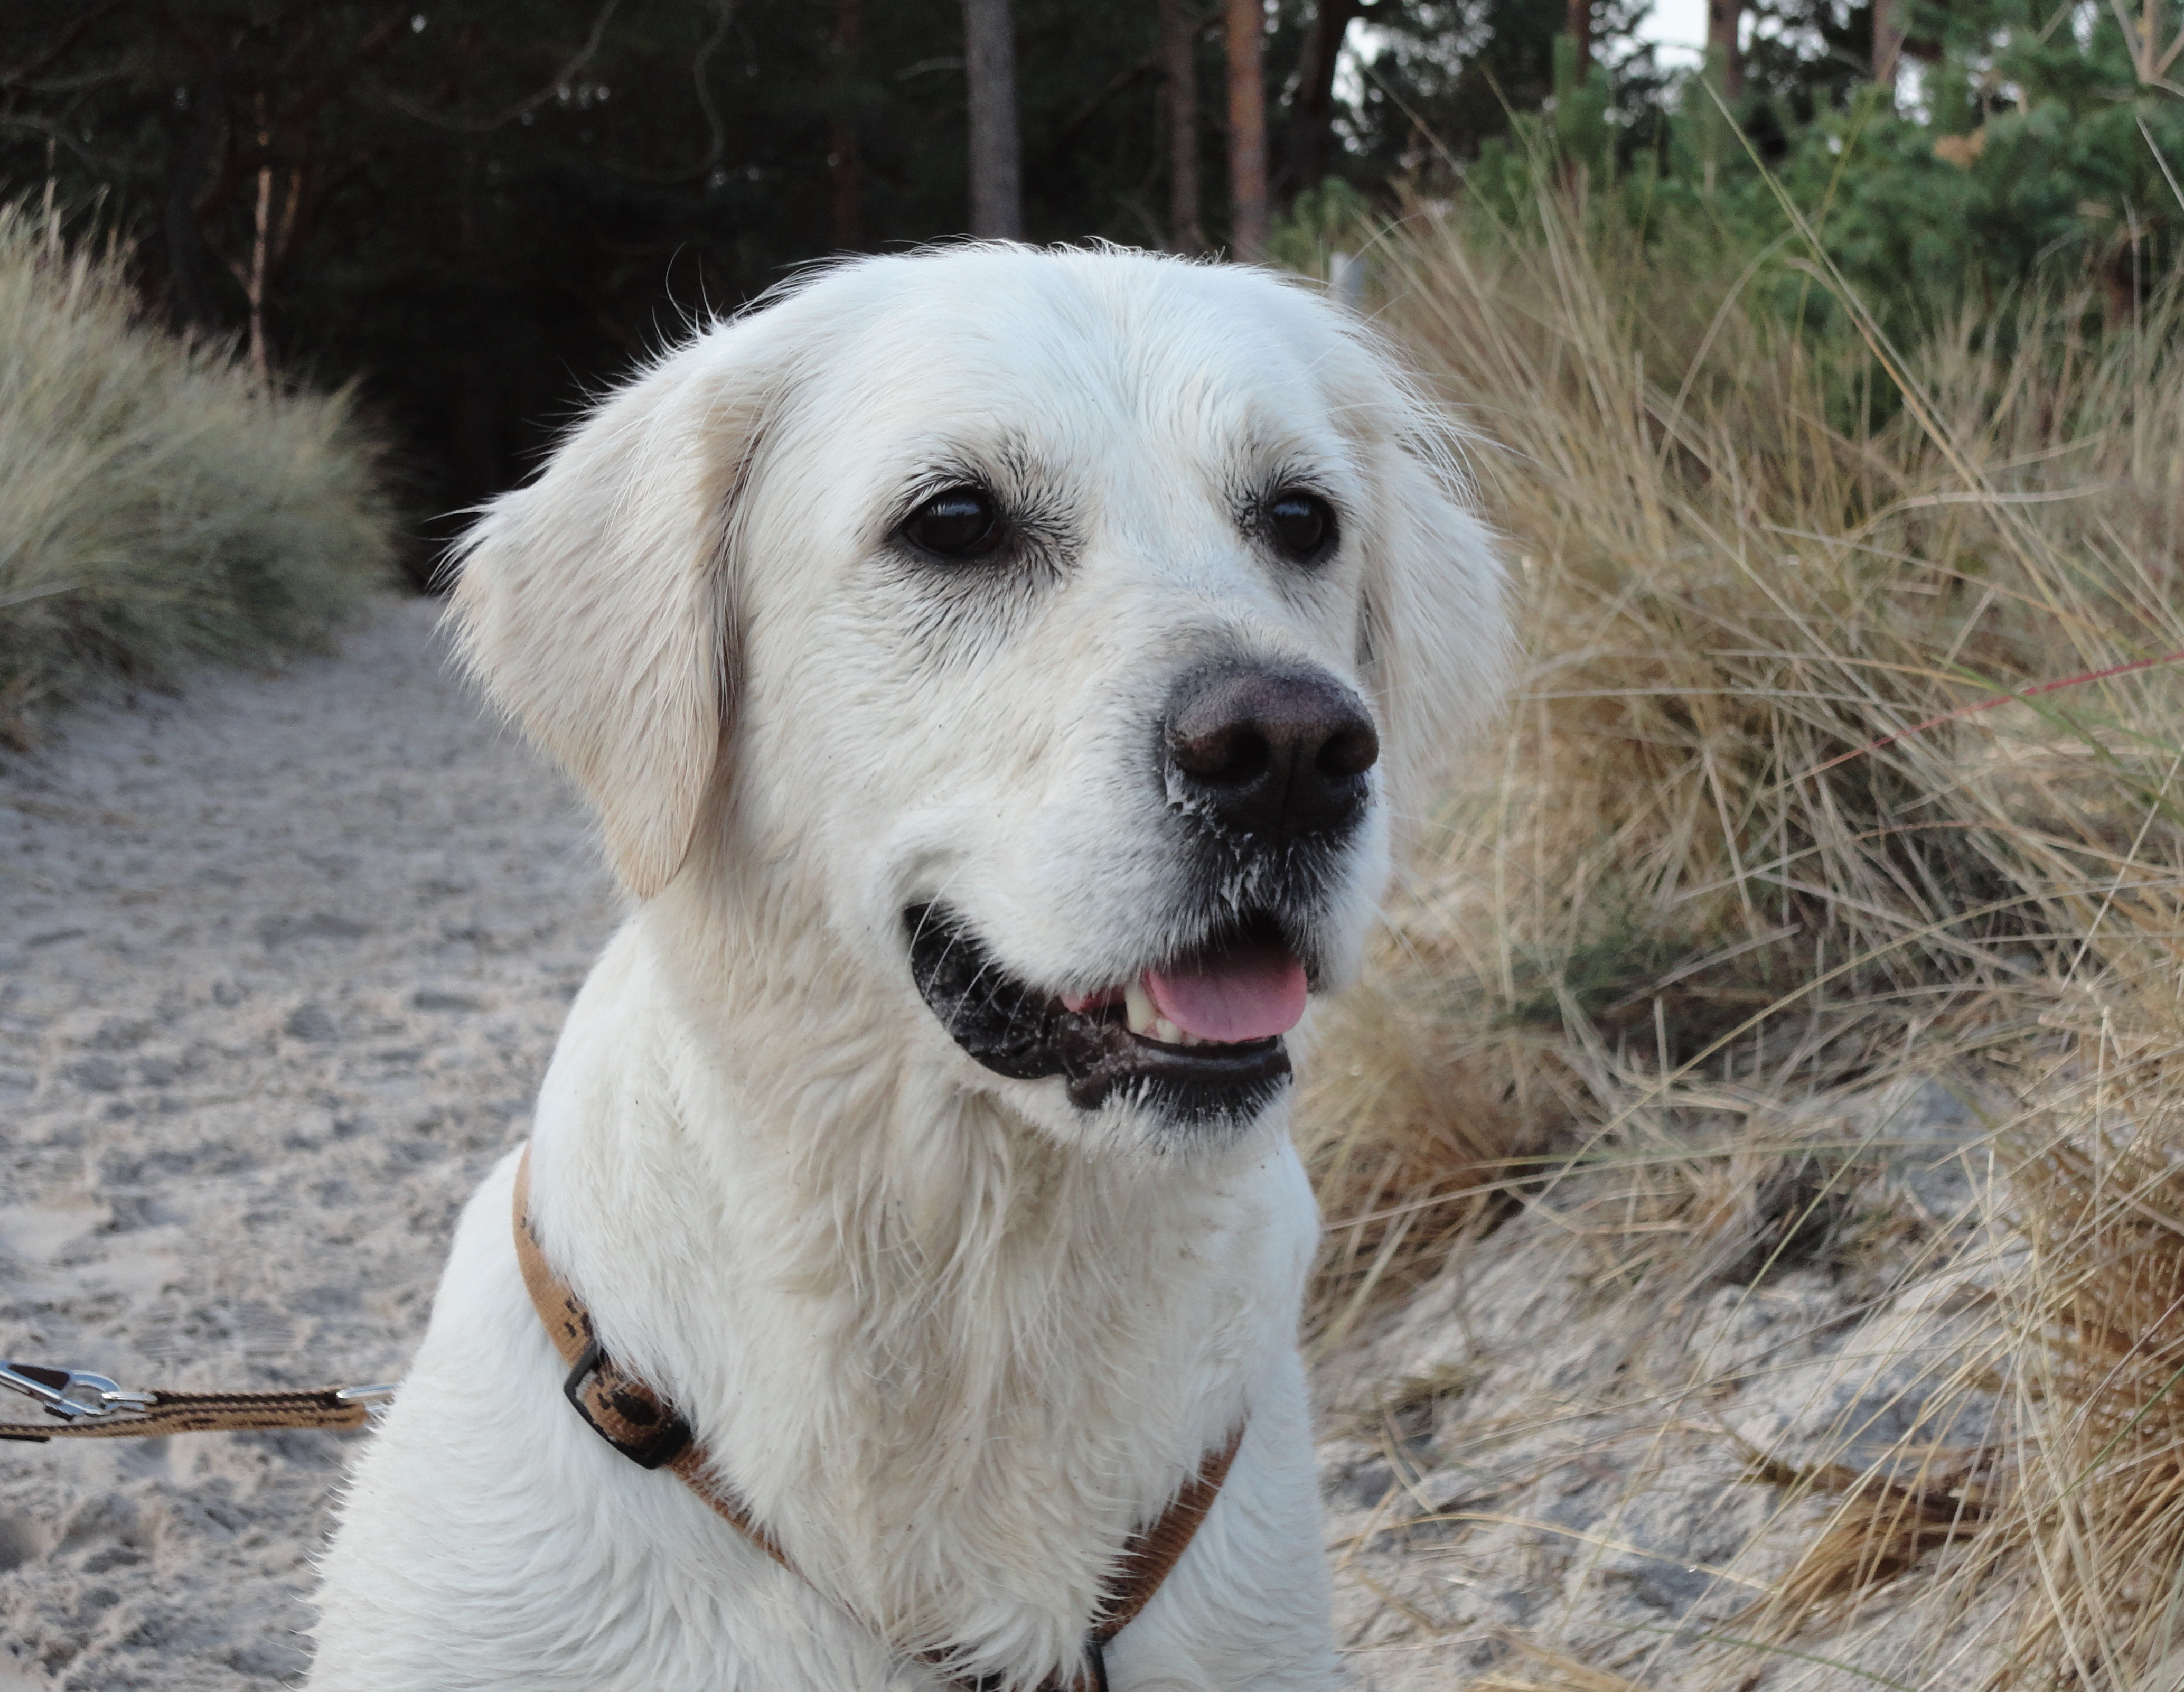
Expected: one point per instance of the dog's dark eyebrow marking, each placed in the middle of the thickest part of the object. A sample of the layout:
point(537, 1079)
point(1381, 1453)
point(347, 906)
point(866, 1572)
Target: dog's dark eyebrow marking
point(938, 476)
point(1265, 456)
point(1293, 473)
point(1020, 478)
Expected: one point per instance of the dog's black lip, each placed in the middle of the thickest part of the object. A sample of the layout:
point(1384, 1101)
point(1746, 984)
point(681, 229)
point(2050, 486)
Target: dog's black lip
point(1014, 1030)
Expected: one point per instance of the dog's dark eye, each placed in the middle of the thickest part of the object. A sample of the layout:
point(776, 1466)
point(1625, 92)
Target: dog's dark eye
point(961, 523)
point(1302, 525)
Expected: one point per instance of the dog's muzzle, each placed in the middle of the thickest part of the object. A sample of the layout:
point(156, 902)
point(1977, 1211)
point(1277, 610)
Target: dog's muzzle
point(1264, 768)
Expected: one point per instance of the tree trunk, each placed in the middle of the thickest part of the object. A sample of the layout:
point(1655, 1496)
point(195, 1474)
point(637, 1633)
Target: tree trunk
point(1724, 20)
point(1888, 32)
point(267, 240)
point(989, 65)
point(1247, 131)
point(842, 148)
point(1180, 69)
point(1580, 31)
point(253, 286)
point(1312, 113)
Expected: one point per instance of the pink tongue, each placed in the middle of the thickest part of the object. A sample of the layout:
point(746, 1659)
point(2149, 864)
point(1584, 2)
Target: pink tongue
point(1251, 992)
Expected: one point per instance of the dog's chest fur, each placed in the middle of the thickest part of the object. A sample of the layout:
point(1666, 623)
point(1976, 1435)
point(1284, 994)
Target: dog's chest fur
point(951, 1368)
point(1004, 1357)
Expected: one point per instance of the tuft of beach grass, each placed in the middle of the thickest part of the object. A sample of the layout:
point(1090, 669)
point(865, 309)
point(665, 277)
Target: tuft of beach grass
point(157, 502)
point(1845, 749)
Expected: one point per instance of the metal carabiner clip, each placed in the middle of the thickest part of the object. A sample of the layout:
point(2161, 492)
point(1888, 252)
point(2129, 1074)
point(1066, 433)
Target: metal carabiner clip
point(71, 1394)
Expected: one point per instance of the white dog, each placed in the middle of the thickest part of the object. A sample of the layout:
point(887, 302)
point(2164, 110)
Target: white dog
point(995, 672)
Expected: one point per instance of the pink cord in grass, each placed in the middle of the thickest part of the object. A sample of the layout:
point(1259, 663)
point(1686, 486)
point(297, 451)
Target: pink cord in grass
point(1988, 705)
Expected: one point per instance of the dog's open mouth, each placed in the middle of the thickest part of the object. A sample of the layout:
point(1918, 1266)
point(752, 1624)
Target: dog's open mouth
point(1198, 1036)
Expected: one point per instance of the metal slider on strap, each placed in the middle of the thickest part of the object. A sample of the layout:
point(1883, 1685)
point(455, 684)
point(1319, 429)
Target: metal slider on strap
point(72, 1394)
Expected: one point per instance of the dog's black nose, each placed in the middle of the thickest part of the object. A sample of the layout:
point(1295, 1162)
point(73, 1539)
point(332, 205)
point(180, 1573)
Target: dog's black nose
point(1272, 753)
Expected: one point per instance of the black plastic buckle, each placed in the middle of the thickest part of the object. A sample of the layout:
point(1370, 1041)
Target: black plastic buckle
point(657, 1449)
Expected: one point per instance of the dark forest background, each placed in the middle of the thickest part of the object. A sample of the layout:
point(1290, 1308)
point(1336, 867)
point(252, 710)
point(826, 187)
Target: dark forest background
point(480, 210)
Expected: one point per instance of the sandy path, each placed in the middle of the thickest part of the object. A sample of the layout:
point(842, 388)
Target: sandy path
point(281, 964)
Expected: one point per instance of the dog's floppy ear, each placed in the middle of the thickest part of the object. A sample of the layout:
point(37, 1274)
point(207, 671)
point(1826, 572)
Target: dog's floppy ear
point(593, 604)
point(1433, 643)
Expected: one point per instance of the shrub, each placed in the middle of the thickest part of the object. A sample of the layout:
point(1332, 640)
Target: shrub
point(1848, 745)
point(157, 502)
point(2044, 148)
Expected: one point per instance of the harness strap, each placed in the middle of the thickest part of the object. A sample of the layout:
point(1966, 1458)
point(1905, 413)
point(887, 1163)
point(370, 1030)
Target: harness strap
point(622, 1409)
point(627, 1414)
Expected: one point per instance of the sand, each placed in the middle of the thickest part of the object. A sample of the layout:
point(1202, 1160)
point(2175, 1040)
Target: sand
point(282, 961)
point(1538, 1464)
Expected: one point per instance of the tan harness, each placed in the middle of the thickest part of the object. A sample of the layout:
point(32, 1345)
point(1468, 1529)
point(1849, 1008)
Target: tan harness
point(643, 1427)
point(621, 1409)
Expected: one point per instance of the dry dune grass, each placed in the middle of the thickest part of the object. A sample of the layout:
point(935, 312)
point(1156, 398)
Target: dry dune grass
point(1755, 829)
point(2096, 1501)
point(161, 503)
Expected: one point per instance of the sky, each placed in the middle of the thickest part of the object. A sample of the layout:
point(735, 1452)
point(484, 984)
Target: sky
point(1680, 26)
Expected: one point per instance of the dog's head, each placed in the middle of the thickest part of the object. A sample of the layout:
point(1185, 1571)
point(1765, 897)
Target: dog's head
point(1072, 625)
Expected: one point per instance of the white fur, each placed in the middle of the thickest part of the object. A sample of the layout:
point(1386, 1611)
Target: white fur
point(950, 1336)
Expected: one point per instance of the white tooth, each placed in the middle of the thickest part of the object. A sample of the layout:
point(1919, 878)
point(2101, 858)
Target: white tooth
point(1138, 1008)
point(1167, 1032)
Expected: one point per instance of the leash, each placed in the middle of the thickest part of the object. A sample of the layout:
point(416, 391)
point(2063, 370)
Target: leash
point(89, 1406)
point(640, 1426)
